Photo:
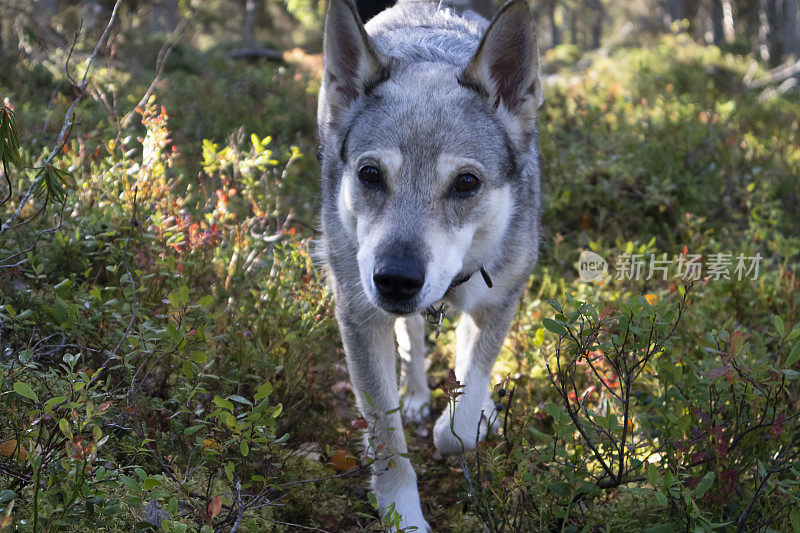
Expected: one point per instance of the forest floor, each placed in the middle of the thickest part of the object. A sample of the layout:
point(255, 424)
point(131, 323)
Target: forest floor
point(170, 357)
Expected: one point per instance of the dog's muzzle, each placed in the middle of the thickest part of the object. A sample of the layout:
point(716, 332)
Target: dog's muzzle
point(398, 280)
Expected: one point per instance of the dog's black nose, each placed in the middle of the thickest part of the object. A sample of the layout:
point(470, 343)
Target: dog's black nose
point(398, 279)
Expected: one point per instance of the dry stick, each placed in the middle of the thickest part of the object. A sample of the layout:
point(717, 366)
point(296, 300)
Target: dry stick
point(68, 123)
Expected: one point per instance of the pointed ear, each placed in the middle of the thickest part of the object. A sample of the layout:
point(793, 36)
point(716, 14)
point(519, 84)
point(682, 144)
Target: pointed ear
point(506, 66)
point(352, 62)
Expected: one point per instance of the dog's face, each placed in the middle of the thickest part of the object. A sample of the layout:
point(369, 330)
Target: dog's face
point(428, 156)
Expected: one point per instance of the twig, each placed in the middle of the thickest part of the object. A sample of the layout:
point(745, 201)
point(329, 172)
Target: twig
point(239, 508)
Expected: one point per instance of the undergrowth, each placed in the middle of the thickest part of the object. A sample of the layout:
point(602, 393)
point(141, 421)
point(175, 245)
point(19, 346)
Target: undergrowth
point(170, 361)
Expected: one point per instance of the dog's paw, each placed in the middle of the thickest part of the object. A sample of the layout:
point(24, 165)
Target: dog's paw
point(453, 437)
point(406, 504)
point(416, 408)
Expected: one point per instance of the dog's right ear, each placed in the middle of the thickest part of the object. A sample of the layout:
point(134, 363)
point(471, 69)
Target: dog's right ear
point(352, 63)
point(506, 67)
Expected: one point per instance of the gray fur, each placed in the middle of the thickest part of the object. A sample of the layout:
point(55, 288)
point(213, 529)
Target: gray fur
point(418, 93)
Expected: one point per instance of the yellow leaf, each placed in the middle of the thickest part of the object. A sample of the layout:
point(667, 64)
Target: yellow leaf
point(341, 461)
point(11, 448)
point(652, 299)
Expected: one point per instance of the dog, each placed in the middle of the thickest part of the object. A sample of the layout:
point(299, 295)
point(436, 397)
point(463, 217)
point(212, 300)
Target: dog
point(430, 195)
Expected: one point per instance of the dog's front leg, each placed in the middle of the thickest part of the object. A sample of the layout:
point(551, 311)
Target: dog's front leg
point(370, 348)
point(479, 336)
point(410, 333)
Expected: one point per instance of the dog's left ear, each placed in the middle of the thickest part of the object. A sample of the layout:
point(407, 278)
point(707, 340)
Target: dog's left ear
point(352, 62)
point(506, 66)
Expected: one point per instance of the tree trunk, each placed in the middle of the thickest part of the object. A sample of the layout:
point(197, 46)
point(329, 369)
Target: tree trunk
point(717, 23)
point(555, 33)
point(788, 27)
point(676, 9)
point(573, 27)
point(597, 23)
point(727, 21)
point(249, 23)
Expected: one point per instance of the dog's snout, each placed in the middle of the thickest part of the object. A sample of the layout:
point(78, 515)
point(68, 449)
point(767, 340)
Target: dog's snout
point(399, 279)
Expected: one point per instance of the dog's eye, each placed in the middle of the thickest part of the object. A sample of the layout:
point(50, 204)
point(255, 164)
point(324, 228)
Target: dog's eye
point(466, 183)
point(369, 174)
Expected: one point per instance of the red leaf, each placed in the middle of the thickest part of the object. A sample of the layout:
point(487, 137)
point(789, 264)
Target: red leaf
point(358, 423)
point(215, 506)
point(717, 372)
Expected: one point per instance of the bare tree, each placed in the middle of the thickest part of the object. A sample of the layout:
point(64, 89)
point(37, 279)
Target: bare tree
point(549, 8)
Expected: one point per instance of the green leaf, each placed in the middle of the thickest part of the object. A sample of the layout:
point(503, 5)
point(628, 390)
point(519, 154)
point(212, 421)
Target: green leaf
point(240, 399)
point(6, 496)
point(652, 474)
point(554, 327)
point(229, 471)
point(23, 389)
point(704, 485)
point(63, 425)
point(223, 403)
point(191, 430)
point(198, 356)
point(794, 518)
point(244, 448)
point(661, 499)
point(183, 293)
point(64, 312)
point(172, 331)
point(794, 355)
point(131, 483)
point(557, 412)
point(263, 391)
point(778, 321)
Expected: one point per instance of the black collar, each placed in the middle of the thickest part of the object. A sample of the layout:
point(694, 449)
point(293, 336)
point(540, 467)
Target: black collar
point(460, 280)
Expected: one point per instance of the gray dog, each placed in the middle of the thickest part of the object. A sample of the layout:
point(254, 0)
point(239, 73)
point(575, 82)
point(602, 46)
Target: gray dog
point(430, 190)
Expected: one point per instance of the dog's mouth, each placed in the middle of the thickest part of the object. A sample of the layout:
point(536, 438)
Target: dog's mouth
point(397, 307)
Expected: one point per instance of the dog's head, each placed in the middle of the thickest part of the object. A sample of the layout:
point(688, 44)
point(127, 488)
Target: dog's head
point(429, 152)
